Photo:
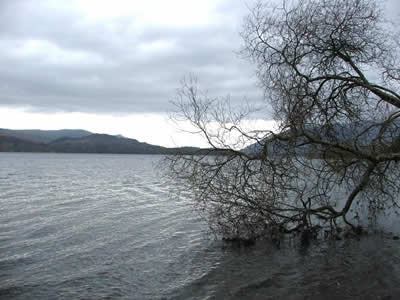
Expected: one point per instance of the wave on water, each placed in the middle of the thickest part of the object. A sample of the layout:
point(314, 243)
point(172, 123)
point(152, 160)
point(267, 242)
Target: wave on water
point(78, 226)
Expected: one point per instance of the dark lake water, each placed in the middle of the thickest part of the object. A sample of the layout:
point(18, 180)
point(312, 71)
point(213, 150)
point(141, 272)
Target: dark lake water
point(76, 226)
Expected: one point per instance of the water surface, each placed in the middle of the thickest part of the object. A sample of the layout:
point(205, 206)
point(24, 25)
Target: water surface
point(86, 226)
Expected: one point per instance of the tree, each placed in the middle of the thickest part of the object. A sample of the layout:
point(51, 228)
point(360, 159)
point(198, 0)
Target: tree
point(330, 71)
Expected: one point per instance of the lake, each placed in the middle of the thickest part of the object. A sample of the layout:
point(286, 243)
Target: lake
point(87, 226)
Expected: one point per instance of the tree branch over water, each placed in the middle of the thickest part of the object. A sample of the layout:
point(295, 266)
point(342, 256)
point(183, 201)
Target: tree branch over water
point(330, 71)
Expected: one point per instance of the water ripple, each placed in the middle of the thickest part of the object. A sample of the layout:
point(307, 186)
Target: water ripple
point(78, 226)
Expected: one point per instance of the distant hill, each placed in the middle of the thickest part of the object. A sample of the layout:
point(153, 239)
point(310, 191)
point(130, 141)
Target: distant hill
point(81, 141)
point(104, 143)
point(44, 136)
point(13, 144)
point(364, 133)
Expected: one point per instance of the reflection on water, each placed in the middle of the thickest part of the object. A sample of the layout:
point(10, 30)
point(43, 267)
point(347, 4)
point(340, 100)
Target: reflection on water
point(76, 226)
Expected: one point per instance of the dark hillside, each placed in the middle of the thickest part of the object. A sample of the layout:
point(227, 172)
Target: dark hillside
point(104, 143)
point(44, 136)
point(13, 144)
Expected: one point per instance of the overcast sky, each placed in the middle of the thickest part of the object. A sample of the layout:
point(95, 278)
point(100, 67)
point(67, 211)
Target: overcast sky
point(114, 66)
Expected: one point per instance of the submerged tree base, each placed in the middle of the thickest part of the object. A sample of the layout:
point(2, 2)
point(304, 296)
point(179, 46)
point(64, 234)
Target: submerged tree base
point(303, 238)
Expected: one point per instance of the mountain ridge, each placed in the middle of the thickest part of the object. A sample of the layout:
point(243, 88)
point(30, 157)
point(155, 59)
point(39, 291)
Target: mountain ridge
point(80, 141)
point(43, 136)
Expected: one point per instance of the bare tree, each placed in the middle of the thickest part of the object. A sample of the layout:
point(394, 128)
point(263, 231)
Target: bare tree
point(330, 70)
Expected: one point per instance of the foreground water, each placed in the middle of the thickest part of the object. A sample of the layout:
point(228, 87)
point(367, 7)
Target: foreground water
point(76, 226)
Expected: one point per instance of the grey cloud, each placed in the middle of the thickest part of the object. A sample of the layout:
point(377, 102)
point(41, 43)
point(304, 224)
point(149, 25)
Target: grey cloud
point(118, 66)
point(122, 73)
